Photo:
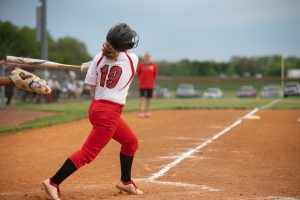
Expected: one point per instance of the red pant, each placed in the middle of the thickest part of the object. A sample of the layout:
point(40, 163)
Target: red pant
point(107, 124)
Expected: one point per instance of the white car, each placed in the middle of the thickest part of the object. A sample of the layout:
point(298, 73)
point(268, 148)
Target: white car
point(292, 89)
point(213, 93)
point(271, 91)
point(162, 92)
point(186, 90)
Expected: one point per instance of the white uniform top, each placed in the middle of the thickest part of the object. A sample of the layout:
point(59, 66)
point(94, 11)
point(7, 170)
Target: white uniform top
point(112, 77)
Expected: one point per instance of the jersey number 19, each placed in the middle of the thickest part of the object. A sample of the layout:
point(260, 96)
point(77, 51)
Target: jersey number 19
point(110, 80)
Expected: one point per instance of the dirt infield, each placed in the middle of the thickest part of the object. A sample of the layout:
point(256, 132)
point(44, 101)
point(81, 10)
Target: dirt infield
point(10, 117)
point(184, 154)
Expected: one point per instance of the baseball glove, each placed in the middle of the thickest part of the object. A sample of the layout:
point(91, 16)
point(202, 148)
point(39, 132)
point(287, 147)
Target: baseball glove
point(85, 66)
point(29, 82)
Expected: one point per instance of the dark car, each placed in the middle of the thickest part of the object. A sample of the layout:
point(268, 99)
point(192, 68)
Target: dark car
point(246, 91)
point(187, 90)
point(292, 89)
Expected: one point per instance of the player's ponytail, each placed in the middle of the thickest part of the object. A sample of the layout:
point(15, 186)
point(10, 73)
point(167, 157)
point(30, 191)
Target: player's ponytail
point(109, 52)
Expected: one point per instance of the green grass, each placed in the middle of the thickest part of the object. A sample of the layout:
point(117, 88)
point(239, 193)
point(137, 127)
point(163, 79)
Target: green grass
point(225, 103)
point(66, 112)
point(288, 103)
point(74, 110)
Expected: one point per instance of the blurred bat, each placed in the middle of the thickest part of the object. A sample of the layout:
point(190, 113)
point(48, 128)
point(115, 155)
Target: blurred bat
point(14, 61)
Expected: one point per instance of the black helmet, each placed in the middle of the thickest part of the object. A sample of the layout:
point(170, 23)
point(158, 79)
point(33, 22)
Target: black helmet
point(122, 37)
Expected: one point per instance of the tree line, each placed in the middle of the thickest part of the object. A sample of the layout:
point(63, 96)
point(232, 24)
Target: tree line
point(238, 66)
point(21, 42)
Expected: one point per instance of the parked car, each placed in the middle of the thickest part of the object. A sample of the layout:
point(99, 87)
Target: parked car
point(162, 92)
point(246, 91)
point(292, 89)
point(187, 90)
point(271, 91)
point(213, 93)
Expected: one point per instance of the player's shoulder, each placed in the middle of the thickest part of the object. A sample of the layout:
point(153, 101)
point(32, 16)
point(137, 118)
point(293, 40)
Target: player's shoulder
point(133, 56)
point(98, 55)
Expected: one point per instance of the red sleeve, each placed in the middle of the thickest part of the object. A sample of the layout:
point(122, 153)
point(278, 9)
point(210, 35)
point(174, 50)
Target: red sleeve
point(139, 70)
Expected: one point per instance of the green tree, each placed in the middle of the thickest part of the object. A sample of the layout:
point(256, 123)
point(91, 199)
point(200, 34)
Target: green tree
point(21, 42)
point(69, 50)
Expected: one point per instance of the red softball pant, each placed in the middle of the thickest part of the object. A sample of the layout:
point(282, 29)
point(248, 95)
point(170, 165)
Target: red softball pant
point(107, 123)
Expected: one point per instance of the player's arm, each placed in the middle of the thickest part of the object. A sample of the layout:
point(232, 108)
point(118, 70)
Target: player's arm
point(5, 81)
point(91, 75)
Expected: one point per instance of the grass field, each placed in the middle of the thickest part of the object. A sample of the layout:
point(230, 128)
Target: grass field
point(73, 110)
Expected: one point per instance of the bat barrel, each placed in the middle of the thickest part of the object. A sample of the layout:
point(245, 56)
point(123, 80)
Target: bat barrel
point(12, 61)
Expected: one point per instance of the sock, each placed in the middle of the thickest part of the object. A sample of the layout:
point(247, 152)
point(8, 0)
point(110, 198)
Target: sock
point(126, 163)
point(64, 172)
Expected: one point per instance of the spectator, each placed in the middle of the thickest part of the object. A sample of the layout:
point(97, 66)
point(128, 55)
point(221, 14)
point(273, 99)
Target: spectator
point(9, 93)
point(56, 89)
point(50, 82)
point(147, 72)
point(71, 88)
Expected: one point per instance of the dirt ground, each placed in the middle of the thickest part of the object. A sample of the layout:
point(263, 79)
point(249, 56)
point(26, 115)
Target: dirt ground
point(184, 154)
point(10, 117)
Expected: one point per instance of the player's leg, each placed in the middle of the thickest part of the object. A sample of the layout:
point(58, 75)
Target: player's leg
point(126, 137)
point(105, 119)
point(149, 96)
point(129, 144)
point(142, 102)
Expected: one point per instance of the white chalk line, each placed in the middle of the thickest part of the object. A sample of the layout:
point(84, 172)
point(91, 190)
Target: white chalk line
point(269, 105)
point(185, 185)
point(188, 153)
point(265, 198)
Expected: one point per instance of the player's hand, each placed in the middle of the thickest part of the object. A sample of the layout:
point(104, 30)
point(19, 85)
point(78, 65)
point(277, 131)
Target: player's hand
point(85, 66)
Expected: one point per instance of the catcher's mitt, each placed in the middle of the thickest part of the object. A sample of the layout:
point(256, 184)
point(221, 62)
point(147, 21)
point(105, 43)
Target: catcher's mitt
point(29, 82)
point(85, 67)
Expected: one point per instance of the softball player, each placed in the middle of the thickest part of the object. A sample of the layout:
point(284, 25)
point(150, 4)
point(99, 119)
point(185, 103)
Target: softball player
point(147, 73)
point(111, 73)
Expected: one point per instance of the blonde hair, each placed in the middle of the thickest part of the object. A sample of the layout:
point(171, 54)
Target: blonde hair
point(109, 52)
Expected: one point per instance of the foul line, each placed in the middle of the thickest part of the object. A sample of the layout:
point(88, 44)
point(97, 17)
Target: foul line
point(186, 185)
point(187, 154)
point(272, 103)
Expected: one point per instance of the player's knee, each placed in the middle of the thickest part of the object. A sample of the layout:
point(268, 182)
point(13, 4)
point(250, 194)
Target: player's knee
point(88, 155)
point(82, 157)
point(130, 148)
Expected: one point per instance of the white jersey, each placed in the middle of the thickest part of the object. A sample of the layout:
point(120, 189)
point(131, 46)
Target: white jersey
point(112, 77)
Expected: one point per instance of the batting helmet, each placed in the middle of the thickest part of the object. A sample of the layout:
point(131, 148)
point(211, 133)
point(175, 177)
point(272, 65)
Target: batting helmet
point(122, 37)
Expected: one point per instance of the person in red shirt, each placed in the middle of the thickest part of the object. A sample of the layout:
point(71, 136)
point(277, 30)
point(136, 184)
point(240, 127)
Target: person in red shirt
point(147, 73)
